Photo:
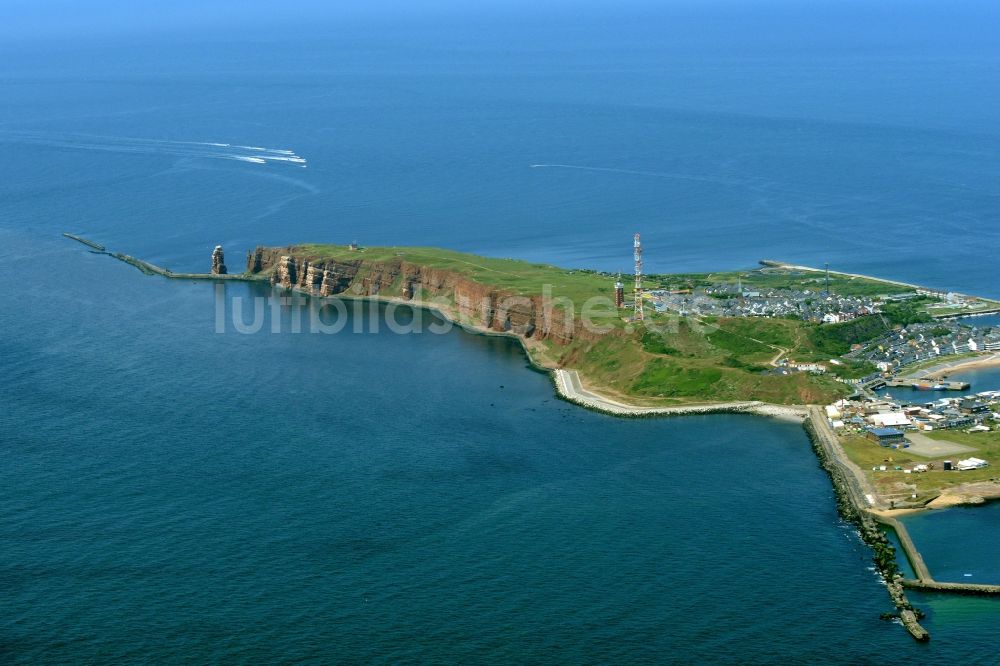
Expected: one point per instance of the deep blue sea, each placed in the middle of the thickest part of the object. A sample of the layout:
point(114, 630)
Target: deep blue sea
point(169, 493)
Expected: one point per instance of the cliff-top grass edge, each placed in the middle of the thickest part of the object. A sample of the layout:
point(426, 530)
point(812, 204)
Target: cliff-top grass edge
point(572, 322)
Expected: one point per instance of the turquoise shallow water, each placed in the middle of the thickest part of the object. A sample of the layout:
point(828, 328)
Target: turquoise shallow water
point(172, 494)
point(936, 534)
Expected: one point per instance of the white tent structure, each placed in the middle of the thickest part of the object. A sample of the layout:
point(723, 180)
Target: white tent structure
point(972, 463)
point(889, 419)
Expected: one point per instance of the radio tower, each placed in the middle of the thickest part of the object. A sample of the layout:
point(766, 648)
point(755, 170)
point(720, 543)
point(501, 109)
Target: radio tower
point(639, 316)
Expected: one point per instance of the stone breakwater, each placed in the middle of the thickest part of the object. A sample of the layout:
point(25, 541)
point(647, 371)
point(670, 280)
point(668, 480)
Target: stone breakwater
point(973, 589)
point(152, 269)
point(853, 507)
point(569, 387)
point(849, 486)
point(924, 580)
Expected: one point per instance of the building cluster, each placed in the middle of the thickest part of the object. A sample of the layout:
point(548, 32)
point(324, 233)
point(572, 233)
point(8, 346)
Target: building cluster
point(788, 367)
point(886, 421)
point(950, 300)
point(923, 342)
point(733, 300)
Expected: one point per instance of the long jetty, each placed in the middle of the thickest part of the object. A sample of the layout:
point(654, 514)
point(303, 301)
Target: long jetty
point(853, 500)
point(153, 269)
point(570, 388)
point(89, 243)
point(927, 384)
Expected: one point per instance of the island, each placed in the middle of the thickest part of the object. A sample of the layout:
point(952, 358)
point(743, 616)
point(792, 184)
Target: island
point(778, 339)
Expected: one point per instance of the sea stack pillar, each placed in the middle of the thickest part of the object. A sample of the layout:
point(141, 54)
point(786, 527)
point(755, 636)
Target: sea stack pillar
point(218, 261)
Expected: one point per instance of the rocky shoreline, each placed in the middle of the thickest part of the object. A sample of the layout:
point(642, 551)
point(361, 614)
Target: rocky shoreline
point(853, 507)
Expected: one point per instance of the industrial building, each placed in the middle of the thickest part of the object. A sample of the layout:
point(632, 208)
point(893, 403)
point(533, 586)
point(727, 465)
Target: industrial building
point(886, 436)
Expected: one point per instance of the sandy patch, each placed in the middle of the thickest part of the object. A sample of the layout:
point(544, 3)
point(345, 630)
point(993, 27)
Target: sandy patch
point(959, 366)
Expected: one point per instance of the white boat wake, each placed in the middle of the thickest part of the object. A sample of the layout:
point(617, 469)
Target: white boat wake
point(134, 145)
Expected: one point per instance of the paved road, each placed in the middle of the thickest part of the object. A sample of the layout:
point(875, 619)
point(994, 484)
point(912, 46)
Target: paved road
point(862, 492)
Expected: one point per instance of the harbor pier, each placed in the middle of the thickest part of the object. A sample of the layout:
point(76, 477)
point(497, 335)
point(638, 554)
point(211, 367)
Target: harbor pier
point(924, 580)
point(854, 497)
point(927, 384)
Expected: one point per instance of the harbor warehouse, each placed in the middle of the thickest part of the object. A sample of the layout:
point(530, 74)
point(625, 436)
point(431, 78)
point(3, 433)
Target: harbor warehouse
point(886, 436)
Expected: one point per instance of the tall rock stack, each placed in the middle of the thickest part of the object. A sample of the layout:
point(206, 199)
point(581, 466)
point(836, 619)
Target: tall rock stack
point(314, 279)
point(328, 287)
point(285, 273)
point(218, 261)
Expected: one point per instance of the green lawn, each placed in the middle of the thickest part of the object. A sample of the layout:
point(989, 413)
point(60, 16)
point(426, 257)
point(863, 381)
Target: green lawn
point(988, 443)
point(780, 278)
point(520, 277)
point(975, 305)
point(867, 454)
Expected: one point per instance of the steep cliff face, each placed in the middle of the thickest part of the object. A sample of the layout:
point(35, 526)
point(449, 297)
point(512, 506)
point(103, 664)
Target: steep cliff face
point(473, 302)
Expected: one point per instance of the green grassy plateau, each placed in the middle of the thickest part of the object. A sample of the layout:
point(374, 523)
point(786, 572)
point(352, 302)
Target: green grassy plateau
point(666, 360)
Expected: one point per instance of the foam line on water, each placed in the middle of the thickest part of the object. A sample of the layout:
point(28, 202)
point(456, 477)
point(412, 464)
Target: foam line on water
point(634, 172)
point(288, 180)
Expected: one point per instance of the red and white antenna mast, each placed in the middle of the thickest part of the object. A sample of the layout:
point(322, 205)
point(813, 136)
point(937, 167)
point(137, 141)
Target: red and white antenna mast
point(639, 315)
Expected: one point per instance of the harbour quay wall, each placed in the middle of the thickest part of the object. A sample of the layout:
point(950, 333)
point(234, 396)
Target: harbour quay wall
point(975, 589)
point(853, 507)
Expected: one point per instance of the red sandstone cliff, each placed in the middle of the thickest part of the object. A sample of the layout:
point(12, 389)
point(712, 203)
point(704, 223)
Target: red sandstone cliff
point(474, 303)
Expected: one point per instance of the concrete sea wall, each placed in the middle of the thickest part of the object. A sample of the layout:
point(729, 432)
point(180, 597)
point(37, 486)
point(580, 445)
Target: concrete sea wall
point(853, 507)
